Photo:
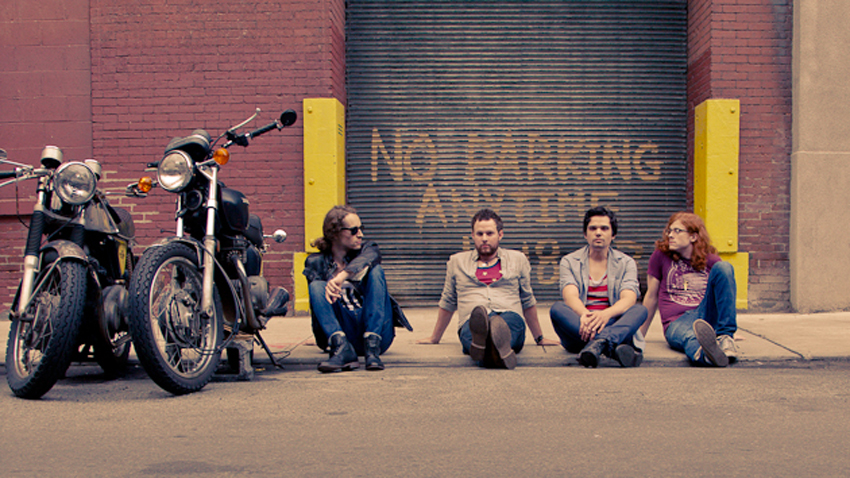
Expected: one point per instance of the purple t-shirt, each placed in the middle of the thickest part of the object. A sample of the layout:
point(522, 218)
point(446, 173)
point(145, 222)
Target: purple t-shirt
point(681, 287)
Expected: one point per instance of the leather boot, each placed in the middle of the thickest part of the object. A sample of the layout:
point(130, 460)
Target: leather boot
point(373, 350)
point(343, 357)
point(590, 354)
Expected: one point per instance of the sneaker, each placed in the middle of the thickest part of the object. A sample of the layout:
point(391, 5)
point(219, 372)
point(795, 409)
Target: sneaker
point(500, 334)
point(727, 345)
point(628, 356)
point(709, 349)
point(479, 326)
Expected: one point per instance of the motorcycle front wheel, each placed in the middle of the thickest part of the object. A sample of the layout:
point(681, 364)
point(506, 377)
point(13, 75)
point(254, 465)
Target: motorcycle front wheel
point(176, 343)
point(43, 340)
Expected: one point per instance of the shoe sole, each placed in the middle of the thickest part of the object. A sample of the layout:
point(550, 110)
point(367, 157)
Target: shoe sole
point(628, 356)
point(345, 368)
point(480, 329)
point(500, 333)
point(708, 341)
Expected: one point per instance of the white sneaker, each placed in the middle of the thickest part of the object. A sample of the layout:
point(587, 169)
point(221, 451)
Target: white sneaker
point(727, 345)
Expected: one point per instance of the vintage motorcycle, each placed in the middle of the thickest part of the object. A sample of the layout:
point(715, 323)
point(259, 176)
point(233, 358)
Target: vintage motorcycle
point(72, 300)
point(193, 293)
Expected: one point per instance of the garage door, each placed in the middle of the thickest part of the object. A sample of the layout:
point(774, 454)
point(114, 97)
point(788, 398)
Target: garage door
point(537, 109)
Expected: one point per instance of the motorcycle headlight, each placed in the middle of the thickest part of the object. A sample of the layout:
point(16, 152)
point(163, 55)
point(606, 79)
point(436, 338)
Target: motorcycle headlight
point(74, 183)
point(175, 171)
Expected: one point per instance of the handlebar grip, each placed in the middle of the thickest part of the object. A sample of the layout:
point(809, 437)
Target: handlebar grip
point(7, 174)
point(263, 130)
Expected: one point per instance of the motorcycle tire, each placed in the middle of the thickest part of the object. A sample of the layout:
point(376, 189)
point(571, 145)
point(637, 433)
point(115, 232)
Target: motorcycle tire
point(42, 342)
point(177, 346)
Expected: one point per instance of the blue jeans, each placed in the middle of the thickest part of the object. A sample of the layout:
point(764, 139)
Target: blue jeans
point(376, 315)
point(515, 323)
point(619, 329)
point(717, 308)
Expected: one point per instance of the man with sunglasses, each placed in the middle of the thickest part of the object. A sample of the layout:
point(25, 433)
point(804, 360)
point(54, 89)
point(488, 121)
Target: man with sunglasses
point(353, 314)
point(490, 288)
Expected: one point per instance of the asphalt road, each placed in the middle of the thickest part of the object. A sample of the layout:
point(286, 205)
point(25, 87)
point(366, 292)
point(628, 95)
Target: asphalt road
point(423, 422)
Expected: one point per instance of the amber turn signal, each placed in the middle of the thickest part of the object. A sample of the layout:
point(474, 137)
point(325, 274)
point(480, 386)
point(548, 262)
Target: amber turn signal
point(145, 184)
point(221, 156)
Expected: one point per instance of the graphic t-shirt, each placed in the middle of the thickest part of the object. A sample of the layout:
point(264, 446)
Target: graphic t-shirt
point(681, 287)
point(490, 274)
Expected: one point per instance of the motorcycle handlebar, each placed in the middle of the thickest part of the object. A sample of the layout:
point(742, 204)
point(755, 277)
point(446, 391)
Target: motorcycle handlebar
point(265, 129)
point(7, 174)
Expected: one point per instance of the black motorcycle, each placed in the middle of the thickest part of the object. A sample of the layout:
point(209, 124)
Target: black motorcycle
point(194, 293)
point(72, 300)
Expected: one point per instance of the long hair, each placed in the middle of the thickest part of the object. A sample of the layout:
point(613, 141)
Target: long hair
point(702, 246)
point(332, 227)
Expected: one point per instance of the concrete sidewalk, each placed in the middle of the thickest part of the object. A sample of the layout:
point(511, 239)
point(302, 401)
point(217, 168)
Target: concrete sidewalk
point(762, 339)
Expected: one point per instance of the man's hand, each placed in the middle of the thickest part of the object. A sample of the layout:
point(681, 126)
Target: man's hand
point(428, 341)
point(592, 323)
point(546, 341)
point(333, 288)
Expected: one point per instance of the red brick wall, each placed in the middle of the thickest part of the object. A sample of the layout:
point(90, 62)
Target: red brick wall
point(742, 50)
point(45, 98)
point(161, 69)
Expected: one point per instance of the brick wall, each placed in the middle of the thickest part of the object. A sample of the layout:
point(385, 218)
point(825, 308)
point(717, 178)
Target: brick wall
point(743, 50)
point(159, 70)
point(162, 69)
point(44, 99)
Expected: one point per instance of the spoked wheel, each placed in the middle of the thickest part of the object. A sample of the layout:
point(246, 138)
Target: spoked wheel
point(42, 341)
point(176, 343)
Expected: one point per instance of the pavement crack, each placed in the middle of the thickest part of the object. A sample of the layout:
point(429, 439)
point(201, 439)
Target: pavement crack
point(767, 339)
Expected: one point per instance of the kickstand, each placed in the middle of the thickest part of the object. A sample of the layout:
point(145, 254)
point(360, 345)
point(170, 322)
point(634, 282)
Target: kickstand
point(266, 348)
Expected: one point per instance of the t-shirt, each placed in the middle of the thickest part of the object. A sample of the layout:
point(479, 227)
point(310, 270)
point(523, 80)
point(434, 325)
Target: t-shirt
point(489, 274)
point(597, 294)
point(681, 287)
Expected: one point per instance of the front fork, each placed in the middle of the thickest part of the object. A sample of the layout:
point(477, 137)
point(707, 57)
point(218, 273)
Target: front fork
point(210, 245)
point(31, 252)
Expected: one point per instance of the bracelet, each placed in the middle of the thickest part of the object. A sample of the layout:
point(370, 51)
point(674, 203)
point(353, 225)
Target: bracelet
point(538, 339)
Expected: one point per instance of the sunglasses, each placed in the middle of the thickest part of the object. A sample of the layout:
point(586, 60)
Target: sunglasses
point(353, 230)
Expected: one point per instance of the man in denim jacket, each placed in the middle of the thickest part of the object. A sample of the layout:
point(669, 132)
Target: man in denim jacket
point(490, 288)
point(600, 314)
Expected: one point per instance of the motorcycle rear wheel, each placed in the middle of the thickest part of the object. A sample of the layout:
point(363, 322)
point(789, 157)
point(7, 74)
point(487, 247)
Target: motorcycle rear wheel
point(176, 344)
point(42, 342)
point(111, 343)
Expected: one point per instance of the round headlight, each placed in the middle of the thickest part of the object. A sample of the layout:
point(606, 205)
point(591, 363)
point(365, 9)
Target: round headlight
point(175, 171)
point(74, 183)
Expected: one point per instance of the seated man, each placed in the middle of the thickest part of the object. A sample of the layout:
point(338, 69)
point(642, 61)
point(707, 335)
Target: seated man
point(490, 287)
point(695, 292)
point(352, 311)
point(599, 315)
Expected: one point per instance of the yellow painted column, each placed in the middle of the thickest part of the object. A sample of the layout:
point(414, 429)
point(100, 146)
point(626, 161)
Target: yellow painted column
point(716, 153)
point(324, 178)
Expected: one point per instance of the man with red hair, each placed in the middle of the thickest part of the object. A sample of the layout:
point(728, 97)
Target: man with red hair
point(694, 291)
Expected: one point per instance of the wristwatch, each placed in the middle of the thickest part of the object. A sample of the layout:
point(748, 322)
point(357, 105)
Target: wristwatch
point(538, 339)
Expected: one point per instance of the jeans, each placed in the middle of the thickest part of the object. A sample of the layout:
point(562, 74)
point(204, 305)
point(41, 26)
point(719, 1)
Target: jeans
point(515, 323)
point(717, 308)
point(619, 329)
point(376, 315)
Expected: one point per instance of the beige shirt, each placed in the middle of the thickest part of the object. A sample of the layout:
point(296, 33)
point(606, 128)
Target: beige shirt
point(462, 290)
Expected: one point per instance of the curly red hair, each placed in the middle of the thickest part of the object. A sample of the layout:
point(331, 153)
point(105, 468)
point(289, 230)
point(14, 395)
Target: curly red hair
point(702, 246)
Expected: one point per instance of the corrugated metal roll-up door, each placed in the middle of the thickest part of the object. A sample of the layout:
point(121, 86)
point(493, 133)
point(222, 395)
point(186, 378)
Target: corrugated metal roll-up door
point(537, 109)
